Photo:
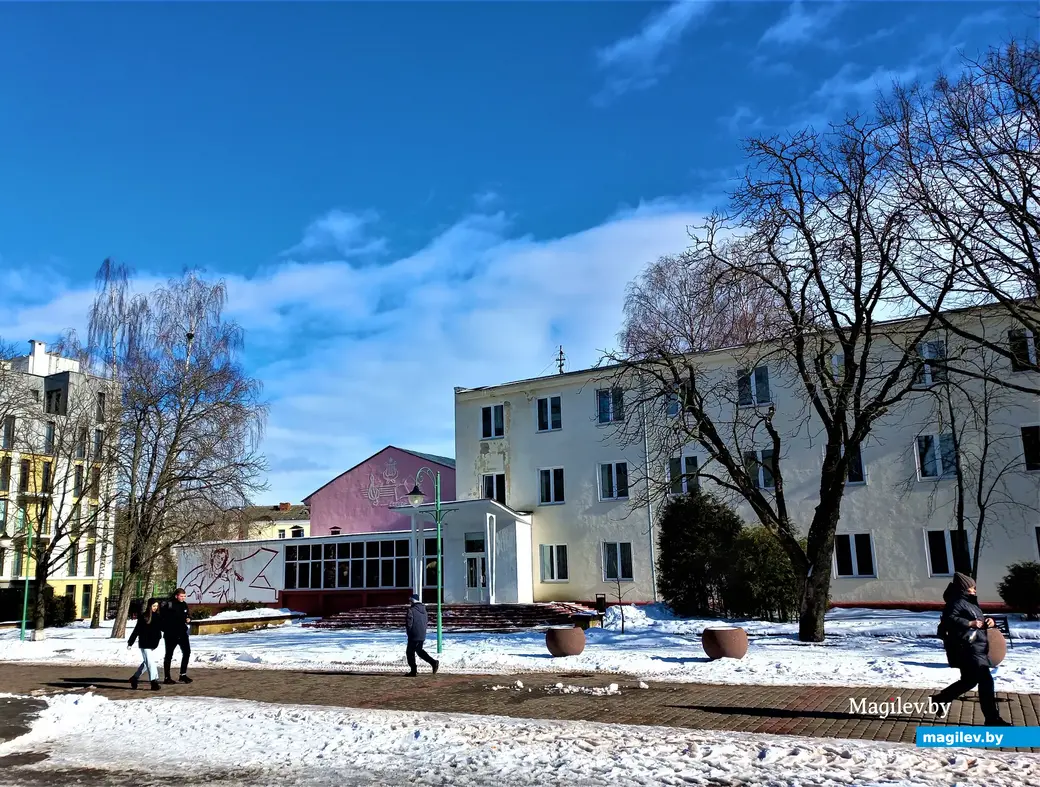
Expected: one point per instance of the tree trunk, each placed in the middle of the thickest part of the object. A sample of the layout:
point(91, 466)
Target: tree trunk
point(99, 589)
point(820, 553)
point(815, 599)
point(126, 594)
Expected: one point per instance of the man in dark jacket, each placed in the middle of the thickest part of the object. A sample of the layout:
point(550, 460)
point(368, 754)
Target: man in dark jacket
point(415, 627)
point(175, 622)
point(963, 631)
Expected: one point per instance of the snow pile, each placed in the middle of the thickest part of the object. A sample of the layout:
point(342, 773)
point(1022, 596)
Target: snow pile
point(252, 744)
point(250, 614)
point(595, 691)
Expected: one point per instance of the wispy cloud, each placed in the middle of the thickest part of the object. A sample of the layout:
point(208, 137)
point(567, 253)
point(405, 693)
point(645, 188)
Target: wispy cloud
point(638, 61)
point(356, 357)
point(851, 85)
point(742, 120)
point(486, 199)
point(802, 25)
point(340, 233)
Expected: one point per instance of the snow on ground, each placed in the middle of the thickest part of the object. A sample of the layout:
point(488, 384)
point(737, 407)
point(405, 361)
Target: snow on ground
point(238, 743)
point(863, 648)
point(249, 614)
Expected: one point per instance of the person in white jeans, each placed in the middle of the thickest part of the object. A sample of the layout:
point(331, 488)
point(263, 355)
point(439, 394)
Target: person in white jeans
point(148, 635)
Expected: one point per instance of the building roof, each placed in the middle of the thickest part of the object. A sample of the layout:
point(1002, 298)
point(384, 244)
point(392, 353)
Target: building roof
point(276, 514)
point(444, 461)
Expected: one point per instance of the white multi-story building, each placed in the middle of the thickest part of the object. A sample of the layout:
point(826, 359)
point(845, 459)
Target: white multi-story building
point(549, 448)
point(55, 423)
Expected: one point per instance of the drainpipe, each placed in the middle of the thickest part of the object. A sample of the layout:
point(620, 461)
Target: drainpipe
point(649, 503)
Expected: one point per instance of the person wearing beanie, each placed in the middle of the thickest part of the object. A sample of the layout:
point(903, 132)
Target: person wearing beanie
point(147, 633)
point(415, 627)
point(963, 632)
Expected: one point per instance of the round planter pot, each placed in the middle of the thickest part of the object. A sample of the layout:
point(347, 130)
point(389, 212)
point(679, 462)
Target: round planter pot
point(724, 643)
point(997, 646)
point(565, 641)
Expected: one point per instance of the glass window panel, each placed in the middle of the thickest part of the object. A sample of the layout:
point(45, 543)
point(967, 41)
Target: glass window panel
point(330, 574)
point(357, 549)
point(357, 573)
point(386, 548)
point(371, 549)
point(343, 574)
point(843, 555)
point(403, 573)
point(864, 555)
point(371, 573)
point(330, 551)
point(342, 551)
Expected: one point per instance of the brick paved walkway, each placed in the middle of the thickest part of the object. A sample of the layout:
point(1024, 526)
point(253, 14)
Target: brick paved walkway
point(786, 710)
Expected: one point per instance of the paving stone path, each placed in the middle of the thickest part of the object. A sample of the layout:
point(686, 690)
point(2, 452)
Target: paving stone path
point(782, 710)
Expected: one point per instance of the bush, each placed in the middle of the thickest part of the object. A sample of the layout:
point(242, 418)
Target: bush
point(243, 606)
point(58, 610)
point(201, 613)
point(761, 581)
point(1020, 588)
point(695, 546)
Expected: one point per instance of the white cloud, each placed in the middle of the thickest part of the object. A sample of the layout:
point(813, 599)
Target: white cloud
point(850, 85)
point(340, 233)
point(742, 121)
point(636, 62)
point(799, 25)
point(353, 358)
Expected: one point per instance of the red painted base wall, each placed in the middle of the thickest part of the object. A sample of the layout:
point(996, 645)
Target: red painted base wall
point(322, 603)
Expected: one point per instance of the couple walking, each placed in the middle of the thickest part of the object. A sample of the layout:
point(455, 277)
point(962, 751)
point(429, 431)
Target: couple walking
point(170, 621)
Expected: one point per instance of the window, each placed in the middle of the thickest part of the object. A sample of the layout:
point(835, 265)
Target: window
point(7, 437)
point(359, 564)
point(473, 543)
point(550, 486)
point(494, 485)
point(838, 367)
point(854, 555)
point(43, 510)
point(3, 519)
point(90, 559)
point(99, 442)
point(5, 474)
point(73, 567)
point(554, 562)
point(47, 473)
point(682, 475)
point(430, 562)
point(944, 546)
point(1023, 350)
point(99, 416)
point(617, 561)
point(77, 482)
point(21, 514)
point(75, 522)
point(1030, 447)
point(281, 534)
point(297, 532)
point(16, 567)
point(613, 481)
point(492, 421)
point(753, 387)
point(610, 405)
point(550, 416)
point(48, 438)
point(81, 444)
point(936, 457)
point(52, 402)
point(761, 468)
point(932, 368)
point(92, 521)
point(856, 475)
point(85, 610)
point(95, 482)
point(335, 531)
point(23, 478)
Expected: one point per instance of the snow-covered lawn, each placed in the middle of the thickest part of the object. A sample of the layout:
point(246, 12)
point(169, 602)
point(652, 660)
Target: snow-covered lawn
point(248, 614)
point(240, 743)
point(863, 648)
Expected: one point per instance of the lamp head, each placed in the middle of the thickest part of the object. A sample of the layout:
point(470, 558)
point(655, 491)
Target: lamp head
point(416, 496)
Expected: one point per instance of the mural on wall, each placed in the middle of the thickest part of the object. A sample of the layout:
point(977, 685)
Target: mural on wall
point(387, 488)
point(222, 575)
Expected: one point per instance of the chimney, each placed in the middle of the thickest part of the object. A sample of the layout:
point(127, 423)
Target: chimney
point(284, 506)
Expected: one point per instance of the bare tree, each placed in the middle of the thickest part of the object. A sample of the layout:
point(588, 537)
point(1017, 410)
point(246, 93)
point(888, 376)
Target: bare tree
point(189, 418)
point(817, 229)
point(969, 165)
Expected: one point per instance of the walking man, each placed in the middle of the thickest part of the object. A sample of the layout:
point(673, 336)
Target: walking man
point(175, 622)
point(963, 631)
point(415, 627)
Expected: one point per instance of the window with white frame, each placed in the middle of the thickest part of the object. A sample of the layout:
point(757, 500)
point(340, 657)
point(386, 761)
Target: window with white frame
point(854, 555)
point(838, 367)
point(550, 414)
point(942, 548)
point(932, 363)
point(761, 468)
point(753, 387)
point(677, 401)
point(554, 562)
point(1022, 344)
point(492, 421)
point(72, 569)
point(7, 434)
point(936, 456)
point(682, 475)
point(856, 474)
point(610, 405)
point(550, 486)
point(3, 516)
point(296, 532)
point(493, 486)
point(281, 534)
point(48, 438)
point(617, 561)
point(358, 564)
point(1031, 447)
point(613, 481)
point(90, 560)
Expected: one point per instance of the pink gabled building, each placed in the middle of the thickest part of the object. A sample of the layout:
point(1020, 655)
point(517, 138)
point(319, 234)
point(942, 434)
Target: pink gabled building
point(359, 500)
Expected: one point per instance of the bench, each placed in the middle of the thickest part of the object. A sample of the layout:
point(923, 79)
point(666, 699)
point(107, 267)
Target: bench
point(1001, 624)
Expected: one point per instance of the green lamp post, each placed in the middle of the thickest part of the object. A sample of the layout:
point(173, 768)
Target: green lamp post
point(416, 498)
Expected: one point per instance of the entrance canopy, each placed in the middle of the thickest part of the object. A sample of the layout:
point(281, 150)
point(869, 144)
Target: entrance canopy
point(486, 550)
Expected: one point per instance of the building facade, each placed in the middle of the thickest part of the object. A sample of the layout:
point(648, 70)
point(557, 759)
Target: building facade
point(551, 447)
point(55, 488)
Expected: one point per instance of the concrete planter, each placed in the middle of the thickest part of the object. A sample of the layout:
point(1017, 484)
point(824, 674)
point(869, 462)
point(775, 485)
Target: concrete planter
point(565, 641)
point(209, 626)
point(724, 643)
point(997, 646)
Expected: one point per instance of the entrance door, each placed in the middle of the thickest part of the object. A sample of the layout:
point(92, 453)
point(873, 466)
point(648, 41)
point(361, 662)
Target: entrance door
point(476, 569)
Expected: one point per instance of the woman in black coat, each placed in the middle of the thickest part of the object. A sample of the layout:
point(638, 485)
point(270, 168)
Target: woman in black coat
point(148, 634)
point(963, 631)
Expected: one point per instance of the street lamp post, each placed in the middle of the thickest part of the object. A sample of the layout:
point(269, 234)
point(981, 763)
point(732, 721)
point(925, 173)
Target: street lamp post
point(5, 543)
point(416, 498)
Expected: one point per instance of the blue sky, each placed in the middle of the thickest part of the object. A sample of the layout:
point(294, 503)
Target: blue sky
point(407, 197)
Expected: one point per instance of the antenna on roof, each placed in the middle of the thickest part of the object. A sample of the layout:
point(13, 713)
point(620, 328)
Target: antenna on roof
point(560, 360)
